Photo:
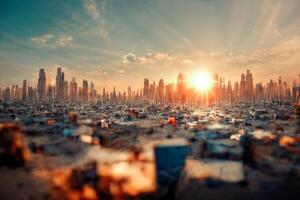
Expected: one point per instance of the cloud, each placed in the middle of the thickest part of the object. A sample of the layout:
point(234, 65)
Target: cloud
point(42, 40)
point(49, 40)
point(63, 41)
point(97, 15)
point(187, 61)
point(121, 71)
point(149, 58)
point(280, 59)
point(129, 58)
point(91, 8)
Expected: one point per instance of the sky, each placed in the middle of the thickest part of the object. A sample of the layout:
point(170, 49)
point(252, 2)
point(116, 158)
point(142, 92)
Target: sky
point(121, 42)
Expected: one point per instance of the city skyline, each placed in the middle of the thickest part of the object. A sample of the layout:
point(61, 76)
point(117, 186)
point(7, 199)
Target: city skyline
point(201, 89)
point(118, 42)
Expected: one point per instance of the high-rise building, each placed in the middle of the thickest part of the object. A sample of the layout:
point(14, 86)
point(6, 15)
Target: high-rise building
point(7, 95)
point(80, 94)
point(85, 89)
point(169, 93)
point(61, 85)
point(1, 94)
point(146, 88)
point(280, 89)
point(242, 87)
point(15, 93)
point(24, 89)
point(31, 98)
point(129, 93)
point(57, 84)
point(50, 93)
point(66, 91)
point(229, 92)
point(161, 90)
point(42, 85)
point(92, 92)
point(181, 88)
point(249, 85)
point(73, 90)
point(236, 91)
point(103, 94)
point(114, 95)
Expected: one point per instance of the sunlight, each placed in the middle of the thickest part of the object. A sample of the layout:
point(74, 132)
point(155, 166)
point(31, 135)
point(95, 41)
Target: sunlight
point(202, 81)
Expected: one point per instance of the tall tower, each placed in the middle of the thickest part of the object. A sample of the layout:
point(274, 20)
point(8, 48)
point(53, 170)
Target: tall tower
point(24, 93)
point(57, 85)
point(249, 85)
point(92, 92)
point(85, 89)
point(280, 88)
point(161, 90)
point(6, 95)
point(146, 88)
point(42, 85)
point(181, 88)
point(129, 93)
point(62, 87)
point(242, 87)
point(73, 90)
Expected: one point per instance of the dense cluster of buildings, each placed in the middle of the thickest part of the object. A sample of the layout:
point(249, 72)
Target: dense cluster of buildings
point(179, 93)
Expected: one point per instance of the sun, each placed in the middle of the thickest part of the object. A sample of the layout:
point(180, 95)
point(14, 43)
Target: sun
point(202, 81)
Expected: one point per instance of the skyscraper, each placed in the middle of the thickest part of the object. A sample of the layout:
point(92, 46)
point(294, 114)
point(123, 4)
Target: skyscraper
point(146, 88)
point(60, 85)
point(73, 90)
point(50, 93)
point(181, 88)
point(85, 89)
point(129, 93)
point(249, 85)
point(104, 94)
point(66, 91)
point(242, 87)
point(42, 85)
point(161, 90)
point(280, 89)
point(1, 94)
point(6, 95)
point(114, 95)
point(24, 89)
point(57, 84)
point(30, 95)
point(92, 92)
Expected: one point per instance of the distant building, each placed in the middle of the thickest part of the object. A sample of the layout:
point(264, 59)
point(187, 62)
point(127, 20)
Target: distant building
point(181, 88)
point(60, 85)
point(161, 90)
point(73, 90)
point(242, 92)
point(249, 85)
point(85, 89)
point(24, 91)
point(146, 88)
point(42, 85)
point(6, 95)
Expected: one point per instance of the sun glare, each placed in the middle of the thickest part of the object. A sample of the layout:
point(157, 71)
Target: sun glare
point(202, 81)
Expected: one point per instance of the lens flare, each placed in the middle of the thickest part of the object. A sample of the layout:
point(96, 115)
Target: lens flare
point(202, 81)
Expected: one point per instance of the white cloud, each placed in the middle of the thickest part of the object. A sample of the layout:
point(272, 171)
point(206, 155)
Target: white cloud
point(63, 41)
point(280, 59)
point(49, 40)
point(97, 14)
point(149, 58)
point(129, 58)
point(121, 71)
point(91, 8)
point(42, 40)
